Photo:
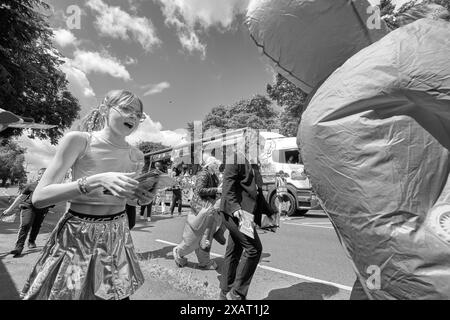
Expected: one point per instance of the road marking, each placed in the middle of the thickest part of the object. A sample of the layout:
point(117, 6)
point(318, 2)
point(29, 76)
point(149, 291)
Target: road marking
point(308, 225)
point(292, 274)
point(300, 276)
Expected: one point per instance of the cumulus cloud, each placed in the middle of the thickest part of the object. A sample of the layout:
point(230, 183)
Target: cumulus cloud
point(114, 22)
point(79, 86)
point(89, 61)
point(64, 37)
point(150, 130)
point(193, 17)
point(155, 88)
point(38, 154)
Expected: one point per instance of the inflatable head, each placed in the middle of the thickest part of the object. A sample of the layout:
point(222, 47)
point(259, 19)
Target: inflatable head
point(308, 39)
point(374, 139)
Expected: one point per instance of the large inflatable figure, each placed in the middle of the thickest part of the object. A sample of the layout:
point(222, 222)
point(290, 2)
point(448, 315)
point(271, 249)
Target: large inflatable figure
point(374, 137)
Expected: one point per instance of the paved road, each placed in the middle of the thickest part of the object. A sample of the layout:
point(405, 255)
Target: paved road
point(302, 260)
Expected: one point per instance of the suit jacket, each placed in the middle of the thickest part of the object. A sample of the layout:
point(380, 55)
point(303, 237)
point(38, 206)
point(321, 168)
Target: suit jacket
point(242, 189)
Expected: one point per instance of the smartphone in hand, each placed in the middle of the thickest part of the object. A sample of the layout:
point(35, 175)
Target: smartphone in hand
point(146, 181)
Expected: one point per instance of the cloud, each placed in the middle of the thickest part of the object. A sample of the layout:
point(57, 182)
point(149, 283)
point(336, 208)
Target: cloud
point(79, 86)
point(116, 23)
point(196, 16)
point(38, 154)
point(89, 61)
point(150, 130)
point(64, 37)
point(155, 88)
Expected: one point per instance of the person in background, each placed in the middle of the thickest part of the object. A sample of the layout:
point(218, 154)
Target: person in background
point(159, 168)
point(242, 194)
point(31, 218)
point(177, 192)
point(203, 207)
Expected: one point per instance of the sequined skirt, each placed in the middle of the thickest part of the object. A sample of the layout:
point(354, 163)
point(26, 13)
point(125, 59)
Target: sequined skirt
point(86, 257)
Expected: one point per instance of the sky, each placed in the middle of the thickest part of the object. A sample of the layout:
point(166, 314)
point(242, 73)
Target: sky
point(182, 57)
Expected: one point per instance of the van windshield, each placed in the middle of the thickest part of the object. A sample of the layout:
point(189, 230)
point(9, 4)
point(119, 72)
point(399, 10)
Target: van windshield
point(291, 156)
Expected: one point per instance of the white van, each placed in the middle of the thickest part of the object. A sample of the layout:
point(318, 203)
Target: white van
point(282, 154)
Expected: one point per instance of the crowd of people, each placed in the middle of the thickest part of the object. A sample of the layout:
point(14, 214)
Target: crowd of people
point(90, 253)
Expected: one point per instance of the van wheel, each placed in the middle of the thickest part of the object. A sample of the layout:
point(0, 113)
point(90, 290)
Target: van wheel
point(289, 203)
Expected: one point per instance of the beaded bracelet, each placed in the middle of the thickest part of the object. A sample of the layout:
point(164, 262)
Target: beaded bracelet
point(82, 185)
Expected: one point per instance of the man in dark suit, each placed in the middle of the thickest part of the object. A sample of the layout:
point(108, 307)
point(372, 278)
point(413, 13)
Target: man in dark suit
point(241, 191)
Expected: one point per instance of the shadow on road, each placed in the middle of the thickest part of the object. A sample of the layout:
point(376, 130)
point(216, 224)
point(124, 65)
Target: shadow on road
point(303, 291)
point(8, 290)
point(160, 253)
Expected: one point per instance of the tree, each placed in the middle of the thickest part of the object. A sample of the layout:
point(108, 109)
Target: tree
point(256, 112)
point(292, 99)
point(12, 161)
point(146, 147)
point(31, 83)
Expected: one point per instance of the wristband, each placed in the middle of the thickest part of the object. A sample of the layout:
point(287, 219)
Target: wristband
point(82, 182)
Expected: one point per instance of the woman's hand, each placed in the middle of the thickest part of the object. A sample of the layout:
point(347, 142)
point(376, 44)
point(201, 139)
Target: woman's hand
point(118, 183)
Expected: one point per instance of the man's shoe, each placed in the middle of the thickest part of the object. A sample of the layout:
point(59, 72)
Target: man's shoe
point(223, 295)
point(179, 261)
point(233, 296)
point(31, 245)
point(149, 219)
point(16, 252)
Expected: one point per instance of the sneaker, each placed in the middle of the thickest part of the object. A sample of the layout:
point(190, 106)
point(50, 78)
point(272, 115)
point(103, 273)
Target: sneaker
point(211, 265)
point(223, 295)
point(231, 295)
point(149, 219)
point(179, 261)
point(142, 218)
point(31, 245)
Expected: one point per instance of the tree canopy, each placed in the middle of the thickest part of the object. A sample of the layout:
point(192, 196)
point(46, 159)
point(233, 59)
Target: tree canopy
point(31, 83)
point(256, 112)
point(292, 99)
point(146, 147)
point(12, 161)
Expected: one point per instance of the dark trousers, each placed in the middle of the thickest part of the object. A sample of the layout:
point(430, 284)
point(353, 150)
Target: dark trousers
point(29, 219)
point(149, 210)
point(358, 292)
point(131, 214)
point(177, 198)
point(235, 260)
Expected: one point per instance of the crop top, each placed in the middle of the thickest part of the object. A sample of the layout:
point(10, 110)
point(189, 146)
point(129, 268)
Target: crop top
point(101, 156)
